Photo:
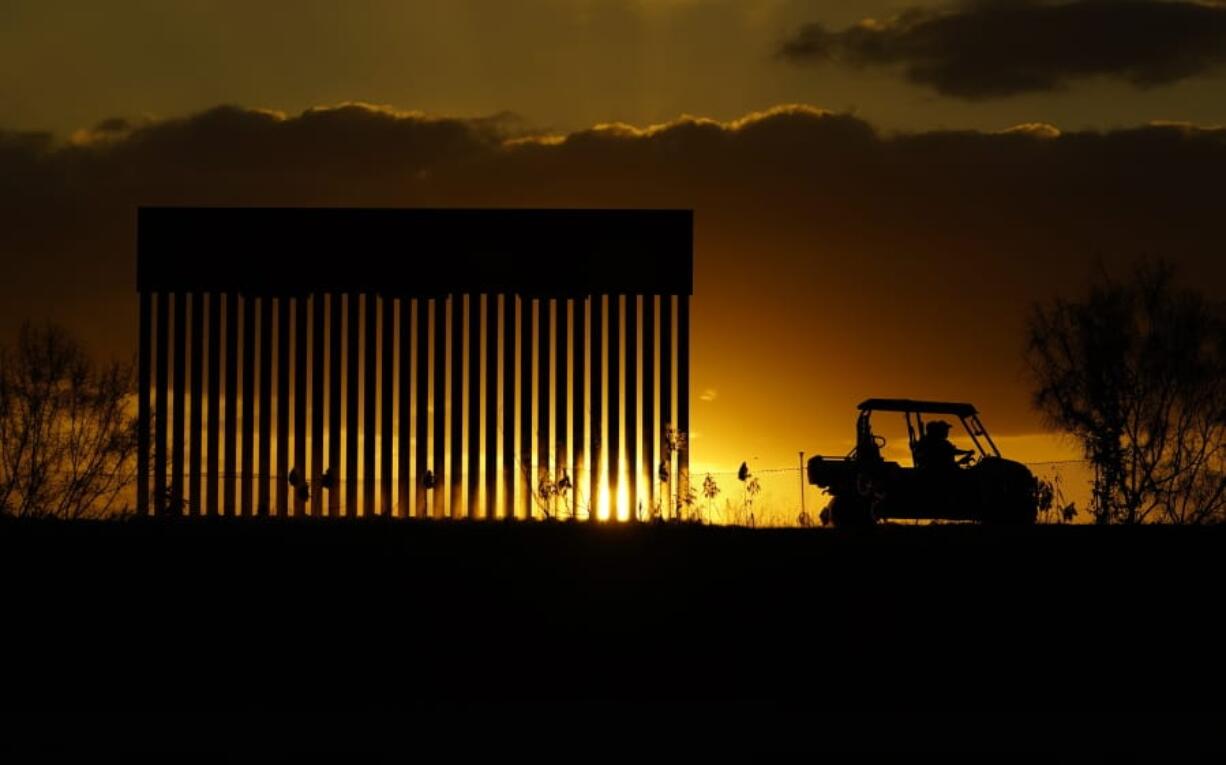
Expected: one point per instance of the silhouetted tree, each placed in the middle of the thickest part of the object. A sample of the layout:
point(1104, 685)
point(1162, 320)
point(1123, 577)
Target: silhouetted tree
point(675, 440)
point(67, 430)
point(750, 488)
point(1136, 371)
point(545, 496)
point(710, 490)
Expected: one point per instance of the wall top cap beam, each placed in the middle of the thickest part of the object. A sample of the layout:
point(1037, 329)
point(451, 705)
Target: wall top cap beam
point(413, 252)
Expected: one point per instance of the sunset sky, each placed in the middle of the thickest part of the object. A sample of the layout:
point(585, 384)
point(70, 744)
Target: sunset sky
point(877, 202)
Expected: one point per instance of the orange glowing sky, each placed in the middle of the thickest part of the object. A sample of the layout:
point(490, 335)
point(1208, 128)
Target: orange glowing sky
point(889, 247)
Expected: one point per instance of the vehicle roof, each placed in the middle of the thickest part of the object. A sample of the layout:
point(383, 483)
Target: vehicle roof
point(924, 407)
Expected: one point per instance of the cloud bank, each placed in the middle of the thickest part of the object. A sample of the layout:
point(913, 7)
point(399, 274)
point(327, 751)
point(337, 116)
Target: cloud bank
point(983, 50)
point(833, 261)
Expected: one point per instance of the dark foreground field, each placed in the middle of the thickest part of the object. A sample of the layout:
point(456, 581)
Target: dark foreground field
point(268, 636)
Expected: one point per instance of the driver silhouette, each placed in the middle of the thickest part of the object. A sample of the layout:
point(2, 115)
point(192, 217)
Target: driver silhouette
point(935, 451)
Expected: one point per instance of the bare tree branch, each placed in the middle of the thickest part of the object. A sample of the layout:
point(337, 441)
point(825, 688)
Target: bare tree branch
point(1136, 371)
point(67, 434)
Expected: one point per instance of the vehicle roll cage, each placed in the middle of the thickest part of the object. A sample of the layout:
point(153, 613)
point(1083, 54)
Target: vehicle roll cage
point(913, 412)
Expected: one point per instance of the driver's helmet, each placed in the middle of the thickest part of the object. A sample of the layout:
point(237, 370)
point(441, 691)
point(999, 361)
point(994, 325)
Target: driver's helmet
point(938, 429)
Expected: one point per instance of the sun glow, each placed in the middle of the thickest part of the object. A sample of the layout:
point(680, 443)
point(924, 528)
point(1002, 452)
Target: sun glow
point(623, 497)
point(608, 507)
point(602, 503)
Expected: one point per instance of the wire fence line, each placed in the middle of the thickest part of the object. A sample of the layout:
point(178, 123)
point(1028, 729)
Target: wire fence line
point(784, 497)
point(780, 497)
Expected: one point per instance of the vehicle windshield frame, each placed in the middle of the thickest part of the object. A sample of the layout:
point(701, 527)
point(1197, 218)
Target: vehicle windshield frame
point(913, 413)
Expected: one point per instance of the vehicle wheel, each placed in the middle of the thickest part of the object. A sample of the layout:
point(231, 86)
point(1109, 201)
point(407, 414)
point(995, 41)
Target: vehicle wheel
point(1017, 512)
point(850, 513)
point(1011, 506)
point(1006, 493)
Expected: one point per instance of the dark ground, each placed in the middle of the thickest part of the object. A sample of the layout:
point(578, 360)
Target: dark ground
point(276, 635)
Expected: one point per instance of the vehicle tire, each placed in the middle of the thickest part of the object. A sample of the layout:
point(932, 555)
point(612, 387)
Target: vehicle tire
point(1008, 495)
point(1017, 511)
point(846, 513)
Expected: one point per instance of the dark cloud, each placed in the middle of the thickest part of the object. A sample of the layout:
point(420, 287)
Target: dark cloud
point(833, 261)
point(112, 125)
point(985, 50)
